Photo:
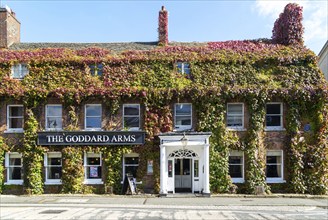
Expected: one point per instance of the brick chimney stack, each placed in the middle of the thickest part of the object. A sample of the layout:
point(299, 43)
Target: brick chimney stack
point(9, 28)
point(163, 27)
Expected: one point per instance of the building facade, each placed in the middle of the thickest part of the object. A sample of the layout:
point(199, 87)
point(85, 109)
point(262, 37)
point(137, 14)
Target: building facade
point(216, 117)
point(323, 59)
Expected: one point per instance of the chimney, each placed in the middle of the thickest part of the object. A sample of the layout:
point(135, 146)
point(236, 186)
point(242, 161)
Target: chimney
point(163, 27)
point(9, 28)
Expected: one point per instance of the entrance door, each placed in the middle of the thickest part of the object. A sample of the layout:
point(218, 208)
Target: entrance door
point(182, 175)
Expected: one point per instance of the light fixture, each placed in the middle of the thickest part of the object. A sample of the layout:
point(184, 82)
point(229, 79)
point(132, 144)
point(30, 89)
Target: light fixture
point(184, 141)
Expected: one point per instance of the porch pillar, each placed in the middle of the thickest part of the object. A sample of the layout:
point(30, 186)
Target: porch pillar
point(206, 190)
point(163, 175)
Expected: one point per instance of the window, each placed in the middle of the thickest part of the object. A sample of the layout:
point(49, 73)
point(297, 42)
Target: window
point(19, 71)
point(14, 164)
point(183, 67)
point(96, 69)
point(131, 116)
point(53, 166)
point(183, 116)
point(92, 168)
point(54, 117)
point(235, 115)
point(273, 119)
point(15, 117)
point(93, 117)
point(236, 166)
point(274, 166)
point(130, 165)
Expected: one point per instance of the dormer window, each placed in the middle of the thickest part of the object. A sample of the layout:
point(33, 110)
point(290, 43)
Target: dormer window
point(19, 71)
point(183, 67)
point(96, 69)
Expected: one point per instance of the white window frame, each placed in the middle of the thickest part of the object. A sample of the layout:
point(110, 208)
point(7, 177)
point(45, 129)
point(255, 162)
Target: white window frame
point(241, 154)
point(17, 130)
point(242, 114)
point(182, 127)
point(85, 118)
point(281, 127)
point(46, 125)
point(85, 165)
point(126, 116)
point(20, 69)
point(182, 70)
point(276, 179)
point(46, 157)
point(7, 158)
point(123, 162)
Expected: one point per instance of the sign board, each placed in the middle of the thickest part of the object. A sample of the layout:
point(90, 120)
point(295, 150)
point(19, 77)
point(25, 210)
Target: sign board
point(129, 184)
point(91, 138)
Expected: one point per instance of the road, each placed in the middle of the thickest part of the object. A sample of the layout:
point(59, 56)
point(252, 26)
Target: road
point(105, 207)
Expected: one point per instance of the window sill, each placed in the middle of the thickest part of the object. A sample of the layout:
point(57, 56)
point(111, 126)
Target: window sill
point(54, 129)
point(92, 129)
point(275, 181)
point(138, 183)
point(20, 182)
point(93, 182)
point(236, 129)
point(13, 131)
point(237, 180)
point(182, 129)
point(52, 183)
point(274, 129)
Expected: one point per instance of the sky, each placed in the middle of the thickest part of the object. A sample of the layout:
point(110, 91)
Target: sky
point(84, 21)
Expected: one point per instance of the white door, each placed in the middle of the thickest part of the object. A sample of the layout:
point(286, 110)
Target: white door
point(182, 175)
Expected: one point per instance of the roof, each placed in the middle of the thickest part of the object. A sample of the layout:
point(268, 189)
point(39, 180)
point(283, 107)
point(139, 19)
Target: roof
point(324, 48)
point(115, 47)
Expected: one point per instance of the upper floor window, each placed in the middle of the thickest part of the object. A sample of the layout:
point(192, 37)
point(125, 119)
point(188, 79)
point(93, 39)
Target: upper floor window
point(93, 114)
point(183, 67)
point(14, 165)
point(183, 116)
point(53, 165)
point(54, 117)
point(235, 115)
point(96, 69)
point(274, 166)
point(15, 117)
point(131, 116)
point(92, 168)
point(236, 166)
point(19, 71)
point(273, 119)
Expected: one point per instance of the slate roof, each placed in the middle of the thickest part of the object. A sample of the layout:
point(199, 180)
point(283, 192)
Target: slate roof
point(115, 47)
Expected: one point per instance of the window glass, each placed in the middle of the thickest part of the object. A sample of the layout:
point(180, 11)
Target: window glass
point(15, 117)
point(236, 164)
point(93, 116)
point(131, 116)
point(96, 69)
point(14, 166)
point(131, 165)
point(274, 164)
point(235, 115)
point(19, 71)
point(54, 116)
point(196, 168)
point(93, 166)
point(273, 115)
point(54, 166)
point(183, 67)
point(183, 116)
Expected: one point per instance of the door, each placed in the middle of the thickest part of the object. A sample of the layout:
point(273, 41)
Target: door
point(182, 175)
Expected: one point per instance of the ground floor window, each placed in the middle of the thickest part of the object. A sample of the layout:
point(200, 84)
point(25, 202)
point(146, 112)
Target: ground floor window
point(14, 164)
point(53, 167)
point(92, 168)
point(130, 164)
point(274, 165)
point(236, 166)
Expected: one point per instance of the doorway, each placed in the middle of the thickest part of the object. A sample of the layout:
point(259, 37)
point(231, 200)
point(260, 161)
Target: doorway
point(182, 175)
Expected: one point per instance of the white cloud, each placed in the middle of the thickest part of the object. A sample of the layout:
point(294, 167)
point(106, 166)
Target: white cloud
point(315, 19)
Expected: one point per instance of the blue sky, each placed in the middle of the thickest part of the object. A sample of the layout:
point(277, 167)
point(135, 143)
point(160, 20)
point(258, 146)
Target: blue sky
point(125, 21)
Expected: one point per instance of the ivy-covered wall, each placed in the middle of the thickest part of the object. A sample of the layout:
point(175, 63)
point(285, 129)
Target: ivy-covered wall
point(253, 72)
